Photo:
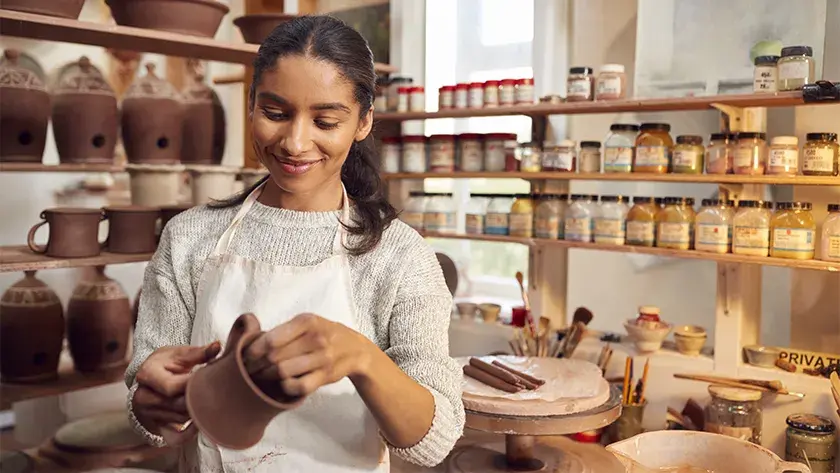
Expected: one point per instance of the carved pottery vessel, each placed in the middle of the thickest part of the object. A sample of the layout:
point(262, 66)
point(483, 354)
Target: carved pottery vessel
point(152, 118)
point(204, 126)
point(24, 111)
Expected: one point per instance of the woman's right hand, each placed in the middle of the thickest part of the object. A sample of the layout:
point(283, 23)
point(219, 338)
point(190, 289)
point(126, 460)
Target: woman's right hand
point(159, 403)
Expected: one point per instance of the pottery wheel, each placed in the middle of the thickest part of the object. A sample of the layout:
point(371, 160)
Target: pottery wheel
point(103, 432)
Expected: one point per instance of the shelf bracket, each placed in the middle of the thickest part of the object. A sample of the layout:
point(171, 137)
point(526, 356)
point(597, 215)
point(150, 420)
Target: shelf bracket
point(737, 119)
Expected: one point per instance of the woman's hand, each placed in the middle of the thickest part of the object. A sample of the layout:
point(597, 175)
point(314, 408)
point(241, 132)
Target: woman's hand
point(306, 353)
point(158, 403)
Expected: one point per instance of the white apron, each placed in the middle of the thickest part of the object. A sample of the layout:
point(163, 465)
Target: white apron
point(332, 431)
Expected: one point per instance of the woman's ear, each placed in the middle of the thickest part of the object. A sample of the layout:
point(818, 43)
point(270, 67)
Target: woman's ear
point(365, 125)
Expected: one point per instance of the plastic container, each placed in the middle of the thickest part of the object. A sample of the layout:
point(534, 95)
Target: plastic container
point(750, 153)
point(442, 153)
point(590, 157)
point(414, 154)
point(688, 155)
point(470, 152)
point(529, 156)
point(611, 220)
point(611, 83)
point(559, 157)
point(439, 215)
point(462, 96)
point(641, 222)
point(620, 147)
point(820, 155)
point(391, 154)
point(403, 98)
point(417, 99)
point(720, 153)
point(830, 239)
point(476, 95)
point(494, 150)
point(415, 209)
point(476, 213)
point(675, 224)
point(783, 157)
point(578, 223)
point(653, 148)
point(521, 223)
point(525, 91)
point(580, 85)
point(507, 92)
point(793, 231)
point(751, 228)
point(713, 226)
point(497, 220)
point(393, 92)
point(491, 93)
point(446, 97)
point(548, 216)
point(796, 67)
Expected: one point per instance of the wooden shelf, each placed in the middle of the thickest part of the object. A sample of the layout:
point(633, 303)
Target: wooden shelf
point(665, 252)
point(21, 258)
point(629, 177)
point(39, 167)
point(781, 99)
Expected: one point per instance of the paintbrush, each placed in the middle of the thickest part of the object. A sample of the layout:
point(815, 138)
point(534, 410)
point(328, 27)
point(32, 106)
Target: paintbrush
point(734, 383)
point(582, 314)
point(644, 381)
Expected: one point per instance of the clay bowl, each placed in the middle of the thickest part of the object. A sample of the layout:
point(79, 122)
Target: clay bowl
point(690, 339)
point(256, 28)
point(490, 312)
point(225, 404)
point(648, 339)
point(190, 17)
point(762, 356)
point(60, 8)
point(132, 229)
point(467, 309)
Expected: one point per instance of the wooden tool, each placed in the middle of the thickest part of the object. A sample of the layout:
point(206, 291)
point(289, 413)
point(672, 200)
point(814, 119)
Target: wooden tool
point(625, 392)
point(644, 382)
point(835, 389)
point(736, 383)
point(683, 420)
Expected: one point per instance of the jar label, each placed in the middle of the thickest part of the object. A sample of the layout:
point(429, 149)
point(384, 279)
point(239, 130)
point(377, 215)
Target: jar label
point(743, 433)
point(578, 229)
point(688, 159)
point(391, 158)
point(494, 156)
point(471, 157)
point(747, 158)
point(580, 88)
point(674, 234)
point(414, 157)
point(524, 93)
point(833, 246)
point(565, 161)
point(651, 156)
point(439, 222)
point(784, 158)
point(475, 224)
point(750, 240)
point(609, 86)
point(618, 159)
point(547, 227)
point(461, 98)
point(476, 97)
point(442, 157)
point(795, 69)
point(609, 231)
point(507, 95)
point(712, 237)
point(521, 225)
point(764, 79)
point(413, 220)
point(818, 160)
point(590, 160)
point(496, 223)
point(640, 233)
point(793, 239)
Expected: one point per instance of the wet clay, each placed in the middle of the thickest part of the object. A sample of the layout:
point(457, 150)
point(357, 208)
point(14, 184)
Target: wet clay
point(74, 233)
point(24, 111)
point(132, 229)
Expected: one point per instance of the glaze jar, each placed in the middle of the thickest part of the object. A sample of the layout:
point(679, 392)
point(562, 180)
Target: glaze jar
point(579, 223)
point(491, 93)
point(580, 84)
point(99, 323)
point(391, 150)
point(796, 67)
point(507, 92)
point(470, 152)
point(611, 220)
point(735, 413)
point(521, 223)
point(393, 92)
point(653, 148)
point(675, 224)
point(820, 155)
point(439, 214)
point(713, 226)
point(559, 157)
point(31, 331)
point(462, 96)
point(442, 153)
point(414, 211)
point(84, 114)
point(765, 74)
point(476, 95)
point(548, 216)
point(589, 157)
point(611, 83)
point(152, 120)
point(417, 99)
point(793, 231)
point(720, 153)
point(750, 153)
point(830, 239)
point(497, 221)
point(641, 222)
point(475, 214)
point(446, 97)
point(688, 155)
point(204, 125)
point(494, 150)
point(525, 91)
point(380, 100)
point(132, 229)
point(414, 153)
point(812, 440)
point(783, 157)
point(620, 147)
point(529, 157)
point(403, 97)
point(24, 111)
point(751, 228)
point(73, 232)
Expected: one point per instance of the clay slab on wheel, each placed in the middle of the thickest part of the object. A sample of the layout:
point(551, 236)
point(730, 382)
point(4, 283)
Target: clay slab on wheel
point(103, 432)
point(572, 386)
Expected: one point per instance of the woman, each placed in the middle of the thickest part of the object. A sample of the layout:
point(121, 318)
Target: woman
point(315, 237)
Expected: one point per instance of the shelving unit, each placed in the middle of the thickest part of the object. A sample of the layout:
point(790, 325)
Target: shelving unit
point(39, 167)
point(21, 258)
point(625, 177)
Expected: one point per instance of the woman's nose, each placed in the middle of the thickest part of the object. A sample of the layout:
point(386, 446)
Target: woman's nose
point(297, 138)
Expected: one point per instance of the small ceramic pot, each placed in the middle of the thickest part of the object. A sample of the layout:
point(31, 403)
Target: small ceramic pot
point(758, 355)
point(690, 339)
point(256, 28)
point(152, 118)
point(211, 182)
point(648, 338)
point(74, 233)
point(490, 312)
point(467, 309)
point(204, 125)
point(629, 423)
point(191, 17)
point(24, 111)
point(155, 185)
point(132, 229)
point(60, 8)
point(31, 331)
point(234, 417)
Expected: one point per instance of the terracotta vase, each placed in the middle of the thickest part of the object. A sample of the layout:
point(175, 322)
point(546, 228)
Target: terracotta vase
point(98, 323)
point(204, 125)
point(192, 17)
point(234, 417)
point(84, 115)
point(31, 331)
point(74, 232)
point(24, 112)
point(60, 8)
point(132, 229)
point(152, 119)
point(255, 28)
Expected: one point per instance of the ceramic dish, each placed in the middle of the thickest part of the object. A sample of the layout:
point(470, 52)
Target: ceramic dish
point(762, 356)
point(467, 309)
point(255, 28)
point(190, 17)
point(647, 339)
point(690, 339)
point(62, 9)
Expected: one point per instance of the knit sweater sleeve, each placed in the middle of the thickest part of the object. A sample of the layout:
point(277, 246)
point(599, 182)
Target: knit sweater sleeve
point(419, 345)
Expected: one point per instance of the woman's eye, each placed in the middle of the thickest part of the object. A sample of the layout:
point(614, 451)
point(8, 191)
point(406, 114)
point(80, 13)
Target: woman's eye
point(274, 116)
point(326, 125)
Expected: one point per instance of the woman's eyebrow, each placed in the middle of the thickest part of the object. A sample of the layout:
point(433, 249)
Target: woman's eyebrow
point(340, 107)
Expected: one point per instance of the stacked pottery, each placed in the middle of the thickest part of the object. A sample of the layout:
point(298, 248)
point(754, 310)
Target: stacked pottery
point(204, 125)
point(152, 119)
point(31, 331)
point(84, 115)
point(24, 111)
point(98, 323)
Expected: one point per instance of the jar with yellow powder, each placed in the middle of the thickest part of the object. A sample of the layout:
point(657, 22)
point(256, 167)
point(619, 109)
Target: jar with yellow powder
point(653, 148)
point(641, 221)
point(521, 223)
point(675, 224)
point(793, 231)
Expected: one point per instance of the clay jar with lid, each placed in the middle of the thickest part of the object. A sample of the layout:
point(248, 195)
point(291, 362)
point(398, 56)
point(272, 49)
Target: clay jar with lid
point(84, 115)
point(24, 111)
point(152, 120)
point(132, 229)
point(98, 323)
point(74, 232)
point(204, 136)
point(31, 331)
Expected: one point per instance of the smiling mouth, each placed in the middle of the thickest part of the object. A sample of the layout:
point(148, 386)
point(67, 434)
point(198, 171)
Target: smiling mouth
point(296, 167)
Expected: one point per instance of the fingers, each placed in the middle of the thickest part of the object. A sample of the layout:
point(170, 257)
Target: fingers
point(277, 338)
point(307, 343)
point(174, 437)
point(304, 385)
point(148, 398)
point(164, 417)
point(191, 356)
point(295, 367)
point(162, 381)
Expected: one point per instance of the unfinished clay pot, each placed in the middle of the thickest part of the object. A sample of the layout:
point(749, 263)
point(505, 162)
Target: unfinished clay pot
point(84, 115)
point(256, 28)
point(24, 112)
point(211, 183)
point(155, 185)
point(31, 331)
point(234, 417)
point(192, 17)
point(74, 232)
point(152, 118)
point(132, 229)
point(60, 8)
point(204, 125)
point(98, 323)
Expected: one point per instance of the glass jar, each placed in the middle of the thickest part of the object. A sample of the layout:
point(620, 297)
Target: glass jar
point(688, 155)
point(820, 155)
point(796, 67)
point(446, 97)
point(713, 226)
point(507, 92)
point(653, 148)
point(830, 238)
point(734, 412)
point(720, 153)
point(476, 95)
point(391, 154)
point(812, 440)
point(590, 156)
point(442, 153)
point(491, 93)
point(498, 215)
point(494, 150)
point(765, 74)
point(521, 223)
point(462, 96)
point(393, 92)
point(529, 157)
point(417, 99)
point(476, 213)
point(751, 228)
point(641, 221)
point(559, 157)
point(578, 221)
point(380, 101)
point(750, 153)
point(548, 217)
point(792, 231)
point(611, 83)
point(512, 155)
point(580, 84)
point(414, 153)
point(783, 157)
point(470, 152)
point(403, 98)
point(439, 215)
point(619, 147)
point(611, 220)
point(525, 91)
point(414, 212)
point(675, 224)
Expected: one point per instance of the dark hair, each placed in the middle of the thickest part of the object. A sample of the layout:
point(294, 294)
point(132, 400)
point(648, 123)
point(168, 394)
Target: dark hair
point(330, 39)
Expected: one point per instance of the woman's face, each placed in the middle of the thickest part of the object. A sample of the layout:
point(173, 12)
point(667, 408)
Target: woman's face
point(304, 121)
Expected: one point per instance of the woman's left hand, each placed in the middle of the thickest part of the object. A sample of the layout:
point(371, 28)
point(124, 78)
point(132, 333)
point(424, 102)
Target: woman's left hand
point(306, 353)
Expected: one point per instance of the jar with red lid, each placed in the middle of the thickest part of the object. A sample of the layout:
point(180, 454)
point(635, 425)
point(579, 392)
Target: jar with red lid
point(391, 152)
point(417, 99)
point(491, 93)
point(495, 154)
point(414, 153)
point(442, 153)
point(507, 92)
point(525, 91)
point(470, 152)
point(446, 97)
point(476, 95)
point(462, 93)
point(403, 97)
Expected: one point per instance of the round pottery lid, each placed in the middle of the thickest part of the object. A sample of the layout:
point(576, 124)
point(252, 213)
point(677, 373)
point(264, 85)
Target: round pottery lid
point(155, 167)
point(16, 462)
point(82, 77)
point(151, 86)
point(810, 423)
point(28, 62)
point(734, 394)
point(14, 73)
point(103, 432)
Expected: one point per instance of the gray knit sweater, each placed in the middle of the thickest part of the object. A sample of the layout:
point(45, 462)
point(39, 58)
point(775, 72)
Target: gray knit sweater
point(402, 301)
